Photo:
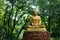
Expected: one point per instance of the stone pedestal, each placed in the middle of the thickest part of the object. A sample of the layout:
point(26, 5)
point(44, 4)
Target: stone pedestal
point(36, 35)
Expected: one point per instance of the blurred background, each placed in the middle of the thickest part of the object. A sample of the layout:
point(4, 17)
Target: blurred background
point(15, 15)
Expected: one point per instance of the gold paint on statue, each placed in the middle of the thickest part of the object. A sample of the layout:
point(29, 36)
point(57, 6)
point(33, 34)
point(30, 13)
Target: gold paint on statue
point(35, 23)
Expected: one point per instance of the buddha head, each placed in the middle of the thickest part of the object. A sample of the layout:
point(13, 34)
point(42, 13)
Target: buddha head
point(35, 11)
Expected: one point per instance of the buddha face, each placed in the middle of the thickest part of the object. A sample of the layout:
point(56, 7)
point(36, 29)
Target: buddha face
point(35, 12)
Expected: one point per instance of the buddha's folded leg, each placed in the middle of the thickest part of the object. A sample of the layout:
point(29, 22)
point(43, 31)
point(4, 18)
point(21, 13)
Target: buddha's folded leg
point(29, 26)
point(41, 26)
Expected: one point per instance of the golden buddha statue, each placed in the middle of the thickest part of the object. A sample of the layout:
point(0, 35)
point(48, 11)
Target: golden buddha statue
point(35, 23)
